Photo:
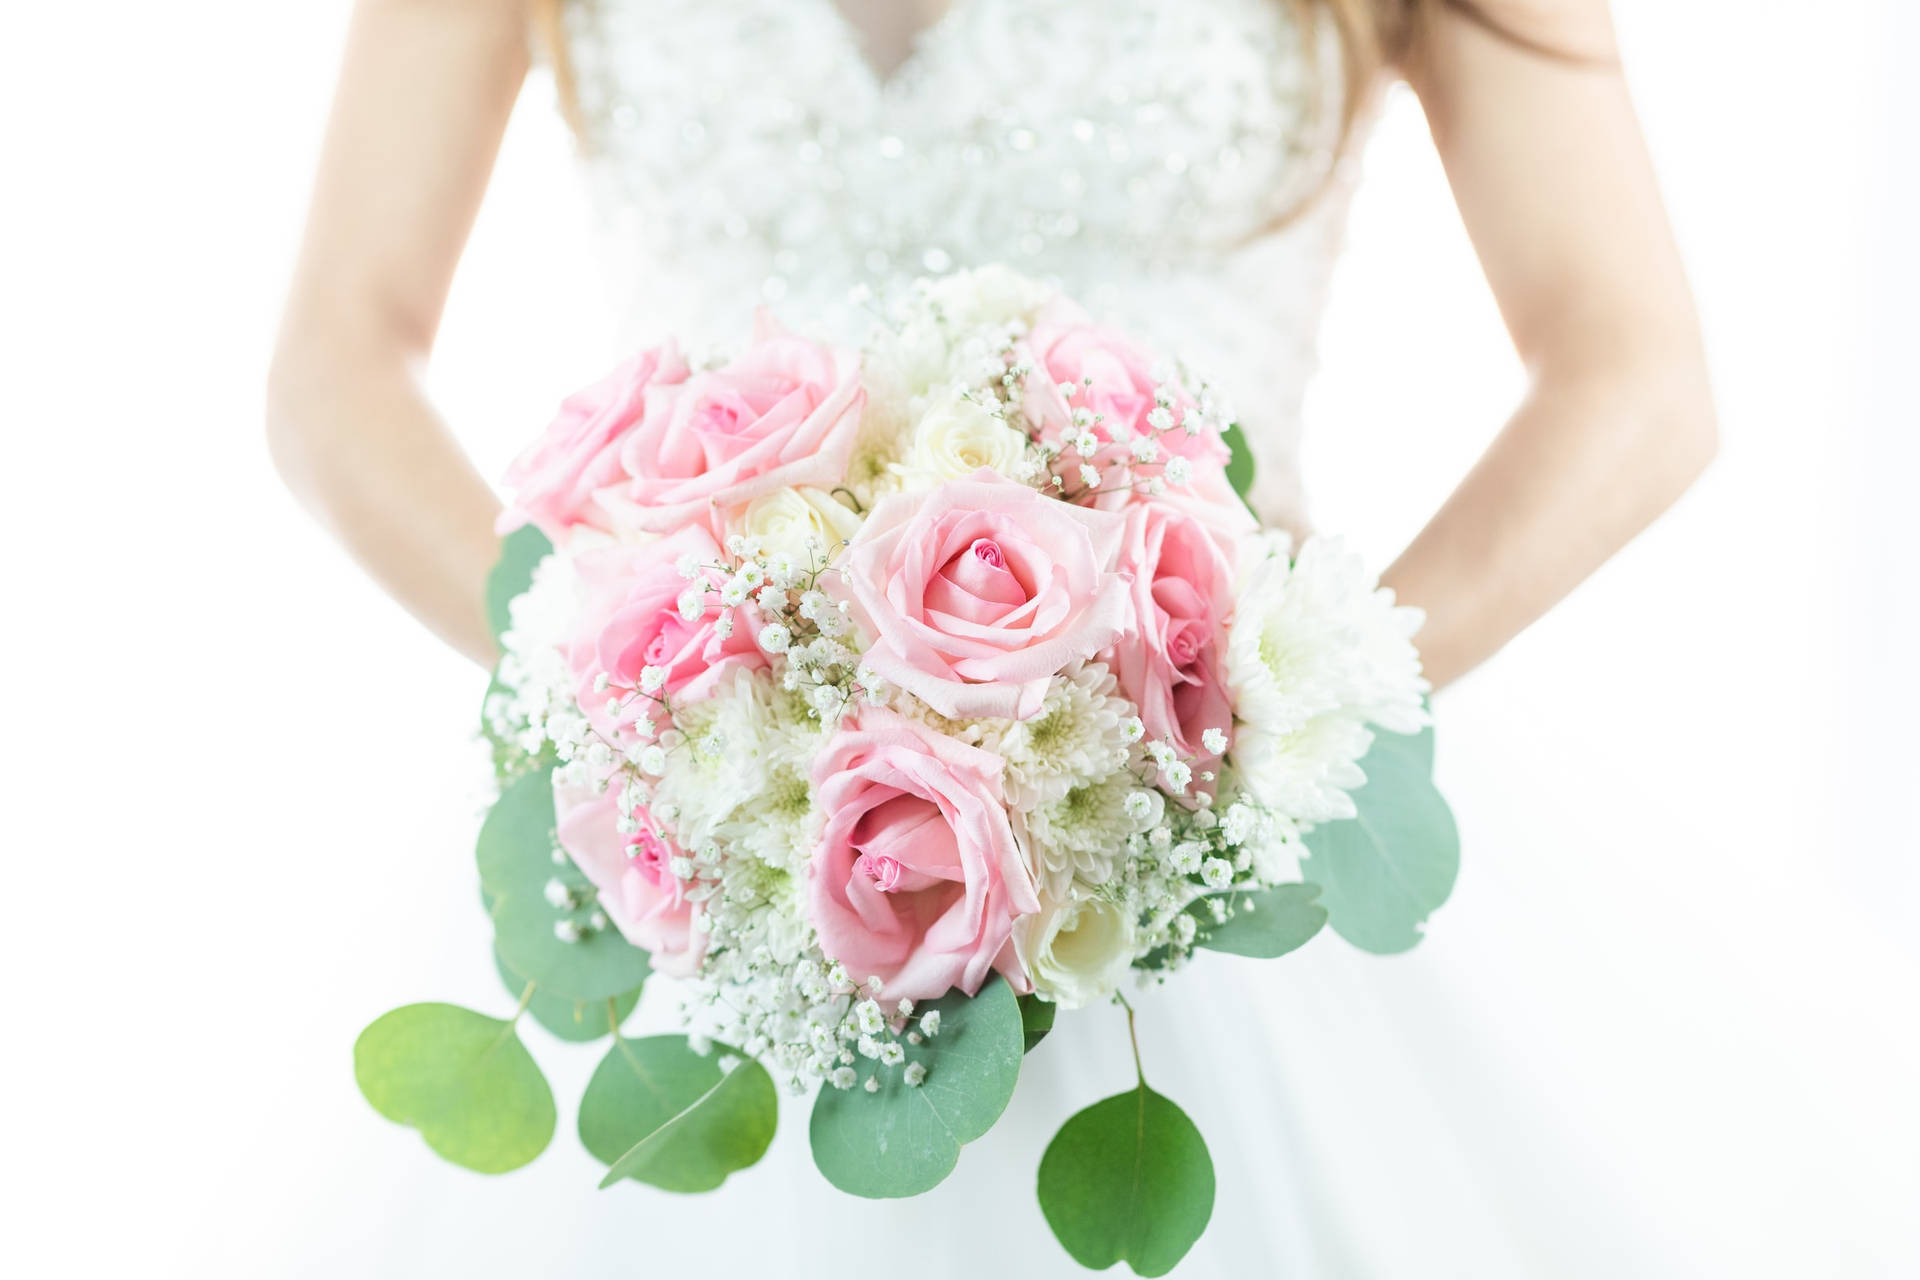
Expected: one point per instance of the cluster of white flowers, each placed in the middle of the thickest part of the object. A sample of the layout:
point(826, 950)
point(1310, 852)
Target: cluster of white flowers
point(1120, 832)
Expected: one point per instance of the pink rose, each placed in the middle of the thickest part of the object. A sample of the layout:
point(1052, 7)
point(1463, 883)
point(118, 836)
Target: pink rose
point(916, 879)
point(638, 889)
point(1169, 662)
point(980, 592)
point(554, 481)
point(633, 621)
point(1112, 378)
point(783, 414)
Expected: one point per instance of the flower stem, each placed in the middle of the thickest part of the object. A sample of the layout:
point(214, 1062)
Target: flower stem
point(1134, 1036)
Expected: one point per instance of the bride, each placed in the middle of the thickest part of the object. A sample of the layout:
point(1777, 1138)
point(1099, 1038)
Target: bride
point(1182, 166)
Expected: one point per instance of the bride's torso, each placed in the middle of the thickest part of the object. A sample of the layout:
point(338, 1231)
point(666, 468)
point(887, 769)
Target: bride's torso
point(1169, 162)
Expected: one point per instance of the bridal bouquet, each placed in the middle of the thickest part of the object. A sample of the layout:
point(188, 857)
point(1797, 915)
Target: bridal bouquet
point(894, 700)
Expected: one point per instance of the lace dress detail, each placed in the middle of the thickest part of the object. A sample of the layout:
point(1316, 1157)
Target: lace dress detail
point(1150, 156)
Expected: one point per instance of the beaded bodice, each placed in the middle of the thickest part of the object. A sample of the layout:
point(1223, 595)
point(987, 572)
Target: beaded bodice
point(1151, 156)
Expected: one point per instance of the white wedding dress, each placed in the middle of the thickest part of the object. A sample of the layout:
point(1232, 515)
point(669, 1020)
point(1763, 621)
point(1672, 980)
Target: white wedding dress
point(1367, 1116)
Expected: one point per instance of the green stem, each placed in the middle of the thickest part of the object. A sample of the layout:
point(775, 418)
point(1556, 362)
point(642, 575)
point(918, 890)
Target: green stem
point(526, 998)
point(613, 1018)
point(506, 1032)
point(1134, 1036)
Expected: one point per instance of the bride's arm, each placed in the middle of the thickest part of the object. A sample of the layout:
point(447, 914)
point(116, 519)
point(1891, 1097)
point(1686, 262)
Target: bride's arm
point(1552, 179)
point(423, 99)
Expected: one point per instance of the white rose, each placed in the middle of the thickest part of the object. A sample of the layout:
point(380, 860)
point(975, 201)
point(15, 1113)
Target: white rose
point(956, 437)
point(794, 520)
point(1077, 952)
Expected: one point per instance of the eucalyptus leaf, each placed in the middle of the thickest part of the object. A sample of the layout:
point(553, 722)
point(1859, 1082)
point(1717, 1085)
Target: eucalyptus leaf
point(1385, 871)
point(515, 856)
point(658, 1112)
point(1239, 460)
point(520, 551)
point(905, 1139)
point(462, 1079)
point(573, 1020)
point(1264, 924)
point(1036, 1019)
point(1129, 1178)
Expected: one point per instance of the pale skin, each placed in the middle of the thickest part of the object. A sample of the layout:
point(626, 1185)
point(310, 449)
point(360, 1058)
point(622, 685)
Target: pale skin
point(1544, 156)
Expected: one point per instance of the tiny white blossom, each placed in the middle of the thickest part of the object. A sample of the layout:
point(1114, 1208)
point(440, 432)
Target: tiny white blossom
point(1134, 728)
point(1214, 740)
point(1159, 418)
point(654, 760)
point(930, 1022)
point(692, 603)
point(892, 1054)
point(1139, 805)
point(1217, 873)
point(1178, 471)
point(687, 566)
point(868, 1016)
point(652, 678)
point(775, 638)
point(843, 1077)
point(915, 1074)
point(1178, 774)
point(1089, 475)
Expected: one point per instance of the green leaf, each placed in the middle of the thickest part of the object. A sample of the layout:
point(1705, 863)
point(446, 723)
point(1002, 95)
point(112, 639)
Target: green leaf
point(1036, 1019)
point(1418, 747)
point(515, 854)
point(462, 1079)
point(575, 1020)
point(904, 1139)
point(1385, 871)
point(1239, 460)
point(1128, 1178)
point(658, 1112)
point(1264, 924)
point(520, 551)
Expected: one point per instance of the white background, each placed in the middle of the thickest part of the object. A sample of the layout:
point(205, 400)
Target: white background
point(240, 791)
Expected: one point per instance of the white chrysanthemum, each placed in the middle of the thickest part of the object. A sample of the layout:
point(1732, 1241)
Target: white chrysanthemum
point(955, 436)
point(1081, 836)
point(1316, 651)
point(533, 658)
point(805, 523)
point(990, 295)
point(758, 903)
point(1080, 735)
point(720, 765)
point(1077, 952)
